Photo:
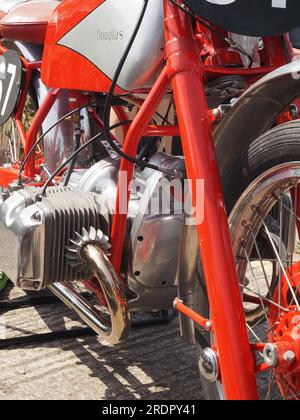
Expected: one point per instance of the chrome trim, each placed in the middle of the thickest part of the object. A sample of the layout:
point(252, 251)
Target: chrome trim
point(187, 273)
point(260, 195)
point(115, 330)
point(209, 365)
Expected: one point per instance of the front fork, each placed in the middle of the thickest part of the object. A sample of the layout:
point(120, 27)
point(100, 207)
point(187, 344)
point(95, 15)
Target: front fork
point(227, 314)
point(184, 71)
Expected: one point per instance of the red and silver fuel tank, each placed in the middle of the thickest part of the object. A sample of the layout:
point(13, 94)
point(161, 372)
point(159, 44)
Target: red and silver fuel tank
point(86, 39)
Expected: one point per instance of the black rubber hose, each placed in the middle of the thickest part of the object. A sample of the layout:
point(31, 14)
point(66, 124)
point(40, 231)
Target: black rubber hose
point(38, 141)
point(70, 158)
point(73, 161)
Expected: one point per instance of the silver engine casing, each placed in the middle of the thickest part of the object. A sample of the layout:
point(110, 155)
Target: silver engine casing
point(37, 232)
point(151, 255)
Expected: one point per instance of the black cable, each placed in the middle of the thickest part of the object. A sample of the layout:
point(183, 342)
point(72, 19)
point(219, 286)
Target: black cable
point(71, 157)
point(67, 161)
point(230, 41)
point(73, 162)
point(165, 118)
point(109, 98)
point(166, 121)
point(43, 136)
point(147, 147)
point(38, 141)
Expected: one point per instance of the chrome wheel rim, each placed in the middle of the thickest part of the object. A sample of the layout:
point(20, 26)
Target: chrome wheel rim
point(267, 210)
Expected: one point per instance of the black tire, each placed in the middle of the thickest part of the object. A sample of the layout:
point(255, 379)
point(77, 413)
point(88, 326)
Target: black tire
point(277, 146)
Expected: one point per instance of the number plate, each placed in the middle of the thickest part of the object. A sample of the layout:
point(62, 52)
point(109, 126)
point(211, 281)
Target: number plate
point(10, 83)
point(250, 17)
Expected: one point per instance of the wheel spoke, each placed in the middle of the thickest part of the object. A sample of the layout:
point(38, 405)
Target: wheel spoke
point(254, 335)
point(270, 385)
point(260, 259)
point(264, 298)
point(280, 263)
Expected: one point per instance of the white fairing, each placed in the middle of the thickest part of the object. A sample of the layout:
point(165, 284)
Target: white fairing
point(103, 36)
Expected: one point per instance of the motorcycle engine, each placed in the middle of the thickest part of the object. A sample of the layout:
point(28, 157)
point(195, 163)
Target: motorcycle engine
point(36, 231)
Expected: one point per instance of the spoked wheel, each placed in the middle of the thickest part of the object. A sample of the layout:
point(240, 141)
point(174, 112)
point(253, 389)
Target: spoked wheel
point(263, 199)
point(9, 143)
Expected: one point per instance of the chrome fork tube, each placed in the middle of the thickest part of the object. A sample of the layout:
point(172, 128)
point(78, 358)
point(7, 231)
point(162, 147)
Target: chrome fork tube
point(114, 330)
point(186, 277)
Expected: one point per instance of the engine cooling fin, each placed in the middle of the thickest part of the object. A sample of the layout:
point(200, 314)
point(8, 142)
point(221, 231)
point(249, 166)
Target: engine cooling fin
point(68, 211)
point(39, 229)
point(92, 236)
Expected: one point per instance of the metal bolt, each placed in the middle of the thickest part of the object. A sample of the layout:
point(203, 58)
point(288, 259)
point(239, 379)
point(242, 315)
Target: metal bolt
point(209, 365)
point(289, 356)
point(271, 355)
point(37, 216)
point(208, 325)
point(177, 300)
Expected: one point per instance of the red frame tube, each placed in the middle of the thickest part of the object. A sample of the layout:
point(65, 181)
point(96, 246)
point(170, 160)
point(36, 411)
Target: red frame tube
point(30, 67)
point(35, 127)
point(28, 139)
point(227, 312)
point(197, 318)
point(122, 116)
point(135, 133)
point(186, 73)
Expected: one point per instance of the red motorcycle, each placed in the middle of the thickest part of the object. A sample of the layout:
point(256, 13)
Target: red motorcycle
point(80, 208)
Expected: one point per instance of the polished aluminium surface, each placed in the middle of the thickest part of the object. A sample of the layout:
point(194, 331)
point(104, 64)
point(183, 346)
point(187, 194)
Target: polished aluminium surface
point(37, 233)
point(19, 230)
point(209, 365)
point(186, 277)
point(39, 246)
point(103, 35)
point(155, 237)
point(58, 144)
point(153, 241)
point(262, 193)
point(93, 236)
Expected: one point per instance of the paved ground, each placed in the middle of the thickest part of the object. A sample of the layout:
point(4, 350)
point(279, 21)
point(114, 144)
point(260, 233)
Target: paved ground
point(154, 364)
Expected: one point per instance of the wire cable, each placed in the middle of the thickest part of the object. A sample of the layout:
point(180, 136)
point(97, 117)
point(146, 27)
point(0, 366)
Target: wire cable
point(38, 141)
point(73, 155)
point(109, 98)
point(73, 162)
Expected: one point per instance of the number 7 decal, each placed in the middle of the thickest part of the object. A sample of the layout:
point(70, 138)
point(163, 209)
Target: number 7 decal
point(11, 69)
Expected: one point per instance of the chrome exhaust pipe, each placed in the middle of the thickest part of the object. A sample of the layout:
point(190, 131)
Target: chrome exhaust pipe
point(116, 329)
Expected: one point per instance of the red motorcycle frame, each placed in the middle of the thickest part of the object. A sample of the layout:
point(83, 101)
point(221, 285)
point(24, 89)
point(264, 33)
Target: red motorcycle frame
point(186, 74)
